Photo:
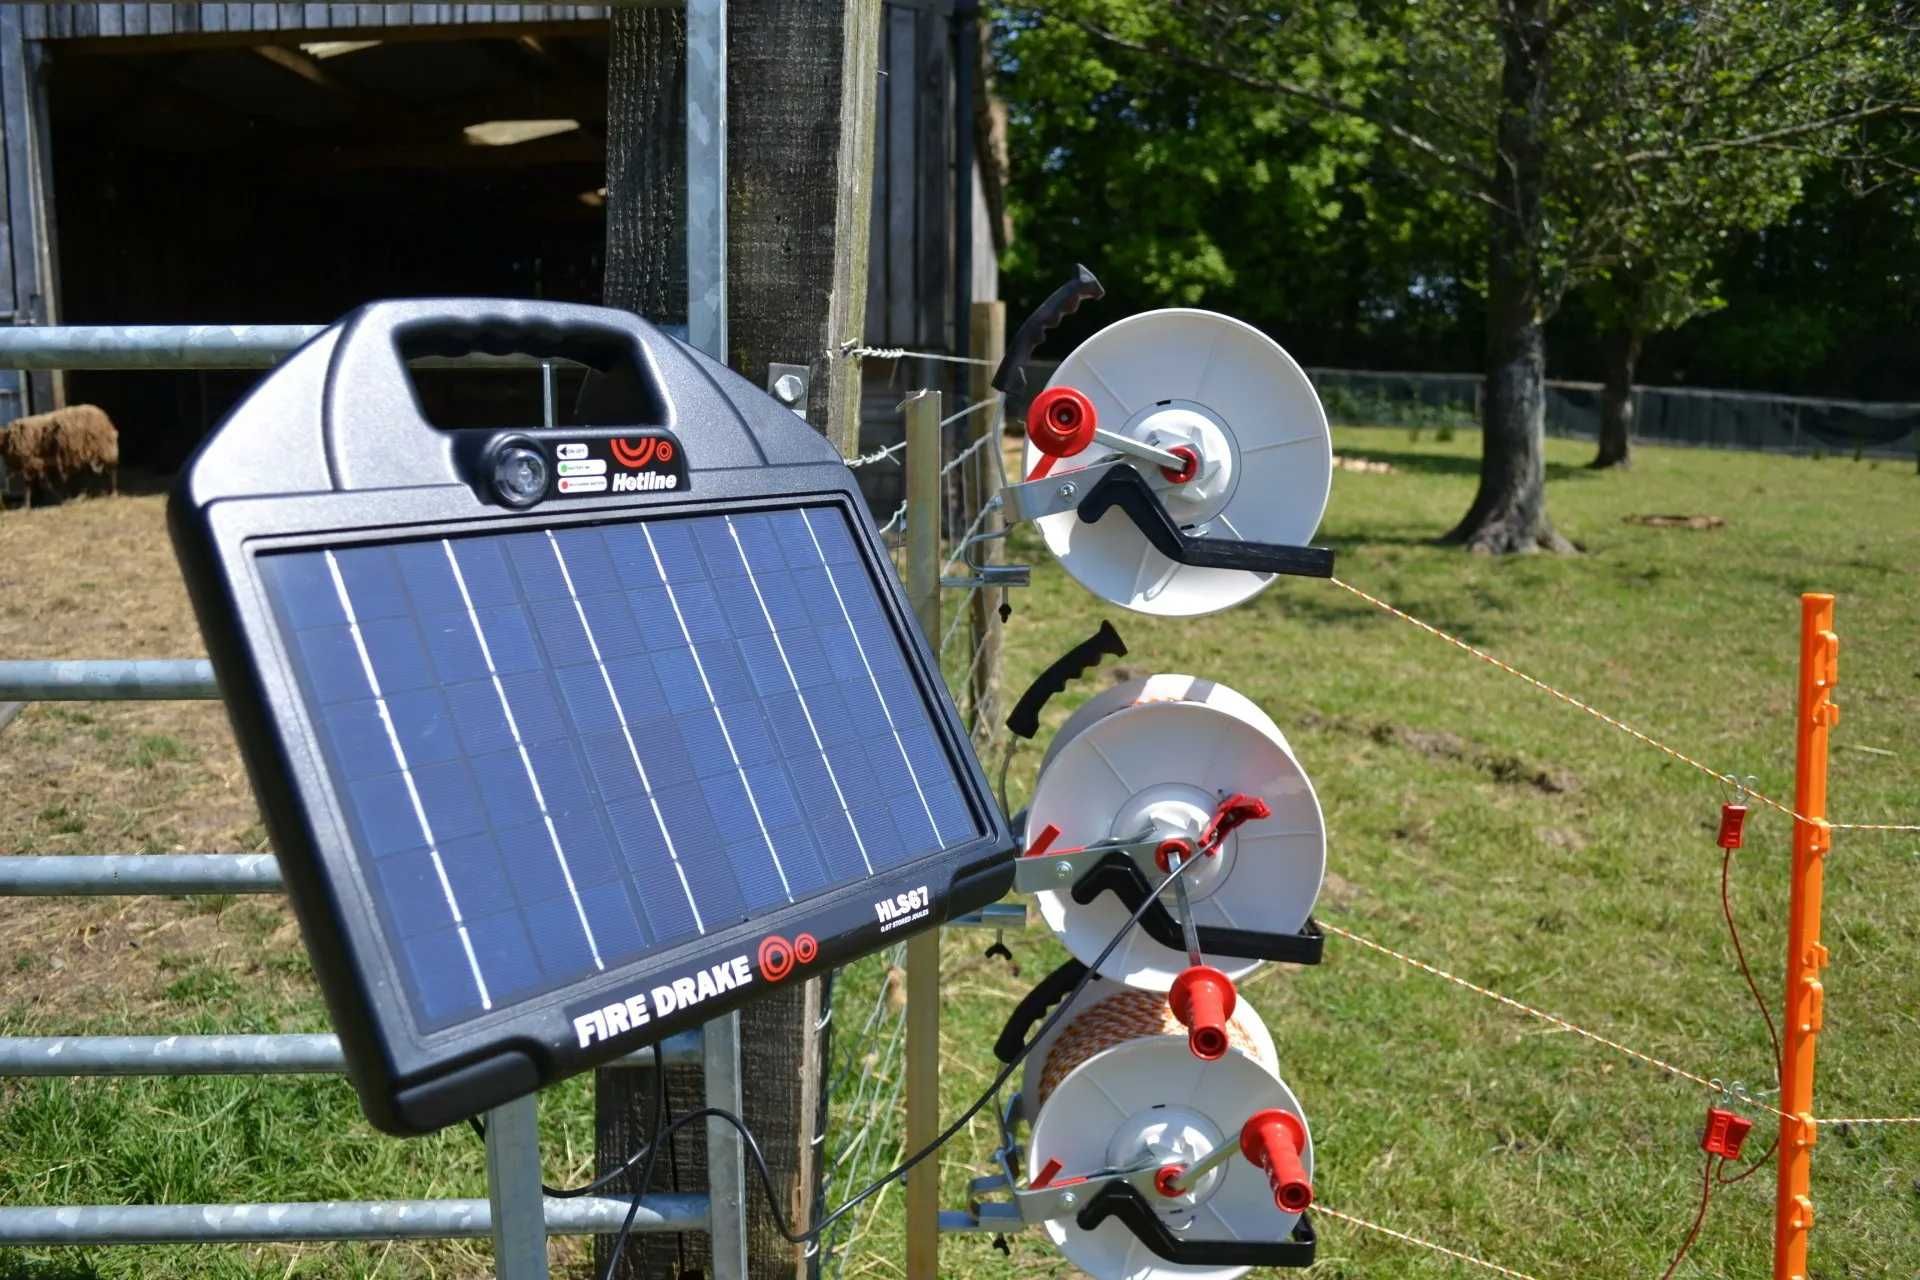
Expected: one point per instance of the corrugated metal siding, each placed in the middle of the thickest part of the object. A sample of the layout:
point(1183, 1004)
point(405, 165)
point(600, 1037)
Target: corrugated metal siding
point(85, 21)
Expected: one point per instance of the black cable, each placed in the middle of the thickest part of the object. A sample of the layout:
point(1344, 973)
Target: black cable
point(479, 1128)
point(945, 1136)
point(662, 1135)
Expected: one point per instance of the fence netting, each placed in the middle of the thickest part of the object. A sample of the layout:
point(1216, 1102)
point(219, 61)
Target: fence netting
point(866, 1064)
point(1696, 418)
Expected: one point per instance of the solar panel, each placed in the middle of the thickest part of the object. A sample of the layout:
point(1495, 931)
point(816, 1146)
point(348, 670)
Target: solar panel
point(564, 749)
point(552, 779)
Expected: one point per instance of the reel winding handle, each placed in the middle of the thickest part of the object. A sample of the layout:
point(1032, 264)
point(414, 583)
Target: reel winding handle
point(1024, 721)
point(1202, 999)
point(1121, 486)
point(1273, 1140)
point(1081, 287)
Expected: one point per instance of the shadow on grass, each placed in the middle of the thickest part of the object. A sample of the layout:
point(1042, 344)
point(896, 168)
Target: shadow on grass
point(1447, 464)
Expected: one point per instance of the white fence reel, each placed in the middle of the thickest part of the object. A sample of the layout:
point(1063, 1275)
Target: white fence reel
point(1210, 441)
point(1147, 1163)
point(1162, 761)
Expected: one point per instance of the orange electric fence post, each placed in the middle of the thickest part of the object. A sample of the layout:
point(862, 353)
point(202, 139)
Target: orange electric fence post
point(1816, 716)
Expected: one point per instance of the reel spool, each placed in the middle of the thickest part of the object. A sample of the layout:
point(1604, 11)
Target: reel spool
point(1115, 1087)
point(1230, 407)
point(1162, 752)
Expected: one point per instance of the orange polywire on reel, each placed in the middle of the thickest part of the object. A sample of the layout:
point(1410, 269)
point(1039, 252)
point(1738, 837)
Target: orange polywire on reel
point(1790, 811)
point(1816, 714)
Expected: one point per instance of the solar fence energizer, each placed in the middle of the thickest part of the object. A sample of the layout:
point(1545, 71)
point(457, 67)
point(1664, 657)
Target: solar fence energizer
point(566, 739)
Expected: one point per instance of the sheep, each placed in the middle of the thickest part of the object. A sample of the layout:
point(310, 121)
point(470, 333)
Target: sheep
point(52, 449)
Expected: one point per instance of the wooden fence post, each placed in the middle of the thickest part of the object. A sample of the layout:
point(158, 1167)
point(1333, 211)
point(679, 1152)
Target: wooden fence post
point(987, 341)
point(924, 509)
point(801, 80)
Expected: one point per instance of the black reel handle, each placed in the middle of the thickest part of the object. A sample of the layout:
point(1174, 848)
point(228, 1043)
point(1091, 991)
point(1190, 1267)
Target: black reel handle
point(1025, 720)
point(1120, 875)
point(1033, 1006)
point(1127, 489)
point(1060, 304)
point(1119, 1201)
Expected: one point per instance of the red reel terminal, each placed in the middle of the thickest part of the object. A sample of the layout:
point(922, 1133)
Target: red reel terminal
point(1187, 472)
point(1060, 423)
point(1202, 999)
point(1274, 1140)
point(1168, 850)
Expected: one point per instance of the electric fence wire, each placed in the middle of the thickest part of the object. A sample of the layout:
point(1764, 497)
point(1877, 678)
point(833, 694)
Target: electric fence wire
point(1648, 739)
point(1321, 1210)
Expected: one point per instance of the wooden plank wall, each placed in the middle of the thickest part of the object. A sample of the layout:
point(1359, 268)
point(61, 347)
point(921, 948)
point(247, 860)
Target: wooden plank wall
point(910, 280)
point(90, 21)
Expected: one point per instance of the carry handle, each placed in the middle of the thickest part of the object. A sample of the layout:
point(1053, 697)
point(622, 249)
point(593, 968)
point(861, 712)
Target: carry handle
point(375, 428)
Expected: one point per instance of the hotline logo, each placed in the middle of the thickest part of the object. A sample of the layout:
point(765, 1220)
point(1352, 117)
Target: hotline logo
point(634, 454)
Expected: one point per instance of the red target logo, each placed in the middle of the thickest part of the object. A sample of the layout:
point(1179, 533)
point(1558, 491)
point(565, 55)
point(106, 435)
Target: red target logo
point(806, 948)
point(664, 451)
point(776, 957)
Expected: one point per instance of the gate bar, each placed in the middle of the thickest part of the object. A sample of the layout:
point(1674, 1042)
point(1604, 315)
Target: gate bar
point(227, 1055)
point(35, 875)
point(331, 1220)
point(106, 679)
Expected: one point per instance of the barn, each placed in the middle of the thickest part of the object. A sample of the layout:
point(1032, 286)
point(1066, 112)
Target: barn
point(281, 163)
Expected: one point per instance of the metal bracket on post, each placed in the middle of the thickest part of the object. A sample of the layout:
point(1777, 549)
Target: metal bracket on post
point(726, 1154)
point(707, 176)
point(789, 384)
point(519, 1214)
point(707, 330)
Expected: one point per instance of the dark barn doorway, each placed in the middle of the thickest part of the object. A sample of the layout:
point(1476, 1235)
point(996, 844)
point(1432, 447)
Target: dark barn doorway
point(288, 183)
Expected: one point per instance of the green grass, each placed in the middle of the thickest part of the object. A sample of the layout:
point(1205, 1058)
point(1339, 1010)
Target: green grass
point(213, 1139)
point(1434, 1111)
point(1594, 895)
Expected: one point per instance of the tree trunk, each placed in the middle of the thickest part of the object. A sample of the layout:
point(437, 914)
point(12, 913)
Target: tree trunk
point(1509, 511)
point(1616, 400)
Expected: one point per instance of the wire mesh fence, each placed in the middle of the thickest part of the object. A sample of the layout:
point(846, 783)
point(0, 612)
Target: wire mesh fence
point(866, 1069)
point(1685, 416)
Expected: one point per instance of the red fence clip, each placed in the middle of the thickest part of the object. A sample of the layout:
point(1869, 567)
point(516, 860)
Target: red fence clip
point(1236, 810)
point(1048, 1172)
point(1726, 1130)
point(1733, 823)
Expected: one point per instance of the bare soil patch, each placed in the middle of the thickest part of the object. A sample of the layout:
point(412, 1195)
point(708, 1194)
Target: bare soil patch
point(96, 578)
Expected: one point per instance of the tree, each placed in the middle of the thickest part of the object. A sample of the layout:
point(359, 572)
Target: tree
point(1673, 214)
point(1545, 115)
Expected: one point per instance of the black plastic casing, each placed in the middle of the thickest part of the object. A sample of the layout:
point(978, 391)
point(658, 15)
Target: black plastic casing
point(332, 449)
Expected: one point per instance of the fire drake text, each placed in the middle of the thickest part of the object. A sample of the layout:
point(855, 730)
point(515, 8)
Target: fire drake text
point(637, 1010)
